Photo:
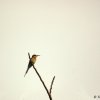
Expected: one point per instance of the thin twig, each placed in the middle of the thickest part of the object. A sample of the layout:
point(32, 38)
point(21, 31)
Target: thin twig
point(43, 83)
point(49, 95)
point(52, 84)
point(29, 55)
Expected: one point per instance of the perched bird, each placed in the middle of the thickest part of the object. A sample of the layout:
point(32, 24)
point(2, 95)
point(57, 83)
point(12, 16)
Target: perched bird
point(31, 62)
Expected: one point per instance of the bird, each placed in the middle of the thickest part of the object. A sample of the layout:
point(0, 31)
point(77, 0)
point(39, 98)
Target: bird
point(31, 62)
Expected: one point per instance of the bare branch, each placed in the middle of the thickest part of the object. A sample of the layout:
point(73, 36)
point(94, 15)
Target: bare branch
point(43, 83)
point(49, 95)
point(52, 84)
point(29, 55)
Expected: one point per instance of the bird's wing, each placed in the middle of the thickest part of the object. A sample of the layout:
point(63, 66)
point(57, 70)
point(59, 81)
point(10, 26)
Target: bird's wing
point(29, 66)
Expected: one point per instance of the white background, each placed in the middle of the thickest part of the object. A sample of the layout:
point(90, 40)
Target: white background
point(66, 33)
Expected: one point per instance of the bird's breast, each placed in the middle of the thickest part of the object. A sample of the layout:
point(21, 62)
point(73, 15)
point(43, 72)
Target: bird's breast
point(33, 60)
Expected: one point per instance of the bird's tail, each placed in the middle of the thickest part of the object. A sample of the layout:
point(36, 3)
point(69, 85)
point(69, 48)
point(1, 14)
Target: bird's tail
point(26, 72)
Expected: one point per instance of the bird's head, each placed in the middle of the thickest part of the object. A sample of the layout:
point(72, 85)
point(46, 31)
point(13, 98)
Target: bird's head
point(35, 56)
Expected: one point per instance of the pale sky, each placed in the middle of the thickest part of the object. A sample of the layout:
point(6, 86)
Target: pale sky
point(66, 33)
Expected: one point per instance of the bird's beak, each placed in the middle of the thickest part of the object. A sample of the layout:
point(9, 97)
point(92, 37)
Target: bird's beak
point(37, 55)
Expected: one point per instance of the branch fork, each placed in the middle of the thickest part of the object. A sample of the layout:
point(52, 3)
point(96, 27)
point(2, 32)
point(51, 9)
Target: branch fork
point(49, 91)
